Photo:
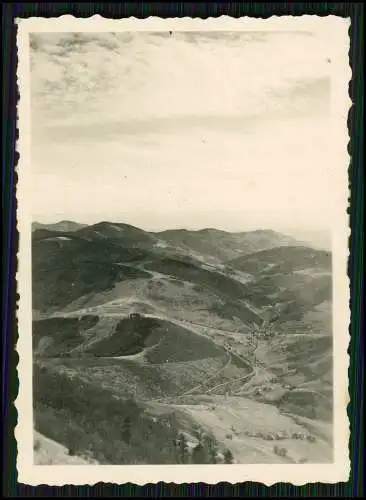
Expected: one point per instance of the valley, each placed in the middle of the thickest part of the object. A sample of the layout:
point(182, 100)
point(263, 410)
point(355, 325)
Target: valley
point(216, 347)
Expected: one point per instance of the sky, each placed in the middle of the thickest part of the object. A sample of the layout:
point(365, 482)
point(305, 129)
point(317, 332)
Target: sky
point(193, 130)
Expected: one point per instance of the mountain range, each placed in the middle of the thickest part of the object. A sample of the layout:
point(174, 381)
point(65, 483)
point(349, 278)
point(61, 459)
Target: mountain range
point(186, 327)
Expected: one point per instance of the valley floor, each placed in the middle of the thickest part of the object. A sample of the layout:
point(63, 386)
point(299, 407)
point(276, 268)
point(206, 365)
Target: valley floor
point(251, 429)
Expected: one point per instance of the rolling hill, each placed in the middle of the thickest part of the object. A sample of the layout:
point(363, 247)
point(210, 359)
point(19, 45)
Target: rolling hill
point(283, 259)
point(287, 283)
point(65, 226)
point(220, 246)
point(77, 268)
point(126, 234)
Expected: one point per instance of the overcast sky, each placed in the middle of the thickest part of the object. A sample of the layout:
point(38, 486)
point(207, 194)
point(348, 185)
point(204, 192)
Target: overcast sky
point(185, 130)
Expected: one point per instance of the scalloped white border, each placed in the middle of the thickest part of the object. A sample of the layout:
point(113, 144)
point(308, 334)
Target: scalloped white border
point(267, 474)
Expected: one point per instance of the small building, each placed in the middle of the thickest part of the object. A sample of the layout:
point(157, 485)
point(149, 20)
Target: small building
point(135, 315)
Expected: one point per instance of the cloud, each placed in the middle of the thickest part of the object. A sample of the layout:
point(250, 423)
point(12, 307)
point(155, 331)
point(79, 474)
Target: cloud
point(161, 130)
point(94, 78)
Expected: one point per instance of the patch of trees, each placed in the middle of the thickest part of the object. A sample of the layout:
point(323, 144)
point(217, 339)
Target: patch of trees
point(183, 451)
point(63, 274)
point(129, 337)
point(205, 451)
point(90, 420)
point(228, 457)
point(66, 333)
point(281, 452)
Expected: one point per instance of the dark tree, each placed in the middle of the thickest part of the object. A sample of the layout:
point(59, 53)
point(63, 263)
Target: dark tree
point(198, 454)
point(172, 450)
point(71, 451)
point(210, 448)
point(126, 429)
point(183, 449)
point(75, 441)
point(228, 457)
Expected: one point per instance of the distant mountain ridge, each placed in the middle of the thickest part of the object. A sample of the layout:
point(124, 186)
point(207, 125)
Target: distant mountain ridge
point(222, 245)
point(62, 226)
point(207, 243)
point(230, 239)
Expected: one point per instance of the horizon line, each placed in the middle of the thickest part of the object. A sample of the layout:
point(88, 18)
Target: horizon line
point(179, 228)
point(187, 228)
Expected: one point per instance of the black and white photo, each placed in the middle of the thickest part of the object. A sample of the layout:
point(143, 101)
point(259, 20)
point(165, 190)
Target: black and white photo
point(183, 211)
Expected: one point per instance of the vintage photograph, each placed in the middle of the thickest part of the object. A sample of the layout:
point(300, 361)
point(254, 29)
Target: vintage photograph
point(183, 216)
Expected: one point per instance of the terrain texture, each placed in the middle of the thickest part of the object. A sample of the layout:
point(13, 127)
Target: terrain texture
point(180, 346)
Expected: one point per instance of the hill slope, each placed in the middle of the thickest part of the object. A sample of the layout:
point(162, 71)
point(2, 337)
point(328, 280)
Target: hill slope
point(283, 259)
point(220, 246)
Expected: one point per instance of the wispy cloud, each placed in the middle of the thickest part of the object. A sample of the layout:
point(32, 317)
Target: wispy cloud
point(86, 78)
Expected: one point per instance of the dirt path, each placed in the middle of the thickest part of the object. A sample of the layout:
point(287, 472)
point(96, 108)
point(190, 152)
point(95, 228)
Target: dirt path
point(248, 376)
